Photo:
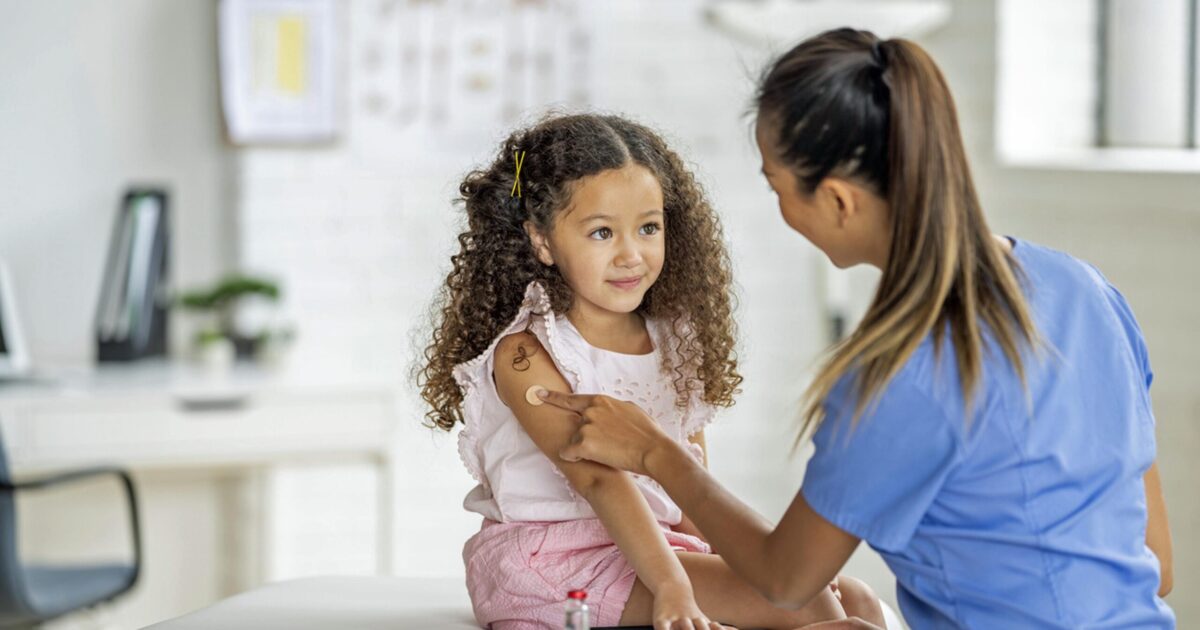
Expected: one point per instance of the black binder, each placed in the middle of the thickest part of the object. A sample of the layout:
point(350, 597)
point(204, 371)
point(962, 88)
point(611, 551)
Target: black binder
point(131, 319)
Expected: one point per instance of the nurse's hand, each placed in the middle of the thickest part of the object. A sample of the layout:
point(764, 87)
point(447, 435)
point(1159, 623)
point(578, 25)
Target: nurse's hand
point(611, 432)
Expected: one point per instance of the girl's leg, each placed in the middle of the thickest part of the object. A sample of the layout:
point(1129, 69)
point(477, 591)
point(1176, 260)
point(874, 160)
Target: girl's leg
point(726, 598)
point(859, 600)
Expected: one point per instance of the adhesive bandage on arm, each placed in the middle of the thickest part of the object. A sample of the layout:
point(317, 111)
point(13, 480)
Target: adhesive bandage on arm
point(531, 395)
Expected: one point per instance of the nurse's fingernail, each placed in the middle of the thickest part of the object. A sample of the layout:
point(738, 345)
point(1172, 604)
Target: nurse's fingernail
point(532, 395)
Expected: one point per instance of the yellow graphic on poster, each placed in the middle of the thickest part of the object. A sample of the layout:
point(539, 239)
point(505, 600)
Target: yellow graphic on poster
point(292, 66)
point(280, 54)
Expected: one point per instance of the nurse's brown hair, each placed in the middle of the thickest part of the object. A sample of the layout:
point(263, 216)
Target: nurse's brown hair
point(878, 112)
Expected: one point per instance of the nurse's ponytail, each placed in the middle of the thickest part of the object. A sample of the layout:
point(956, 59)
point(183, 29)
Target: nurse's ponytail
point(846, 104)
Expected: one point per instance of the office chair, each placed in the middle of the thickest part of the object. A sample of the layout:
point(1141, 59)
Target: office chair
point(31, 594)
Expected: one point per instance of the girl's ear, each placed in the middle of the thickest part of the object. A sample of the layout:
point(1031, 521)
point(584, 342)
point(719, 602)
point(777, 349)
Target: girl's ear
point(541, 247)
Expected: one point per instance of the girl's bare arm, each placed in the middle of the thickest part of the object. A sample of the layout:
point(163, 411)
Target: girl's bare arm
point(611, 493)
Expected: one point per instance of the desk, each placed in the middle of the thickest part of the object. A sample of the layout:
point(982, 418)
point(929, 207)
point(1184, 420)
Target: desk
point(150, 416)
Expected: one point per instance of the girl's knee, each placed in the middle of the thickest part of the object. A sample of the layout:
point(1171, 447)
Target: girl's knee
point(823, 607)
point(859, 600)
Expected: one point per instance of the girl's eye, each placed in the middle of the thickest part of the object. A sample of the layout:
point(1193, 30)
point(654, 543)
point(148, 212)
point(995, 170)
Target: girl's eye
point(601, 234)
point(651, 229)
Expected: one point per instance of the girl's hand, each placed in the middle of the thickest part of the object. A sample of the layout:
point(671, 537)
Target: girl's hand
point(675, 609)
point(853, 623)
point(612, 432)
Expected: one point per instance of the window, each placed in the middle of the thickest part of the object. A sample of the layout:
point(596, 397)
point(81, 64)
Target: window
point(1098, 84)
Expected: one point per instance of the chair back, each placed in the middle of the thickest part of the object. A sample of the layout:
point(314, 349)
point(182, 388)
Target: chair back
point(13, 606)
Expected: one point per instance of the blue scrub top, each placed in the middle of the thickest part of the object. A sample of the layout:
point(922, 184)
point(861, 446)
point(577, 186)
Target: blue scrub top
point(1031, 513)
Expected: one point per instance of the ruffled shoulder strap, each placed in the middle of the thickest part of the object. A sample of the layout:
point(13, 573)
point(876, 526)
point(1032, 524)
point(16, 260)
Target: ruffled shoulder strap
point(536, 316)
point(698, 413)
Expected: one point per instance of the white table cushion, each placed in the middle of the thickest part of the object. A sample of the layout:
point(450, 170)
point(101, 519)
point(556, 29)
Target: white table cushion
point(351, 603)
point(361, 603)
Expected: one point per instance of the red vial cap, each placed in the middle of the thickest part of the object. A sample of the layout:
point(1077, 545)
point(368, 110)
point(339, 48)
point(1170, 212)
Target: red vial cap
point(577, 595)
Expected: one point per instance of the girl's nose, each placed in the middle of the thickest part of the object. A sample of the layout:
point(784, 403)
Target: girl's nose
point(628, 255)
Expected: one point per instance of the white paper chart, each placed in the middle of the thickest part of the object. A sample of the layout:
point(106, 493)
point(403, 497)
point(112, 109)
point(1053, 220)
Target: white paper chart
point(465, 67)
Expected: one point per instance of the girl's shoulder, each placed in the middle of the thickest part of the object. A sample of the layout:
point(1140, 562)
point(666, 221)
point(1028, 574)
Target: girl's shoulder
point(535, 317)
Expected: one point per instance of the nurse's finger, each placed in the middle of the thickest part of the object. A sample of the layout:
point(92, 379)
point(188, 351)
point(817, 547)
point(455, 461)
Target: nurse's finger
point(562, 400)
point(577, 447)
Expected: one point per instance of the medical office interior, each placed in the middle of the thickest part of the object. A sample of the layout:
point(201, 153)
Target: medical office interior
point(222, 225)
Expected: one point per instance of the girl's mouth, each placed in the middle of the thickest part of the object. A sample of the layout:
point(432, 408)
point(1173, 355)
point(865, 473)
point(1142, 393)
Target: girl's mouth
point(627, 283)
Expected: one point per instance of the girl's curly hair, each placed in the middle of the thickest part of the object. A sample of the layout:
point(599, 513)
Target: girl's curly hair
point(496, 261)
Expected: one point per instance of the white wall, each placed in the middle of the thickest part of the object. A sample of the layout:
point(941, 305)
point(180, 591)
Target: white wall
point(96, 95)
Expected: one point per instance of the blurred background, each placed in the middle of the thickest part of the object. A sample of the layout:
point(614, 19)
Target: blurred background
point(224, 222)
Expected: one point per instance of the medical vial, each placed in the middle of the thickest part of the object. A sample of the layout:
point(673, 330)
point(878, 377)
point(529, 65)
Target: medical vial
point(577, 611)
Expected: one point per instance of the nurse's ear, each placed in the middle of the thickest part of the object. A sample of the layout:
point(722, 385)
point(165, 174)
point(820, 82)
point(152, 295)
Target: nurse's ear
point(541, 245)
point(837, 199)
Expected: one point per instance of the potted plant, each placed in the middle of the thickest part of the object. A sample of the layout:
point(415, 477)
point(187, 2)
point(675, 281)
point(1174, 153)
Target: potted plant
point(219, 340)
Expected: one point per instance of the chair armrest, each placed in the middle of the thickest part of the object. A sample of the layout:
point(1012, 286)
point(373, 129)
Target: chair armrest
point(49, 481)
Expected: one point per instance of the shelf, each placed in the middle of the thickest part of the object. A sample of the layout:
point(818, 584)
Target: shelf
point(785, 22)
point(1128, 160)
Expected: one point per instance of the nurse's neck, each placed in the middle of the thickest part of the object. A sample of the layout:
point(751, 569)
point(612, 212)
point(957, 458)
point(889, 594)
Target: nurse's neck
point(865, 222)
point(1005, 244)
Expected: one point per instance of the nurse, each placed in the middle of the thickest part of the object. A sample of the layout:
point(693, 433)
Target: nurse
point(987, 427)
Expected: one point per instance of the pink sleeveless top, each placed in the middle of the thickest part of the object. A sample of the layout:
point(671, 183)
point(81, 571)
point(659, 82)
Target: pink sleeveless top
point(516, 481)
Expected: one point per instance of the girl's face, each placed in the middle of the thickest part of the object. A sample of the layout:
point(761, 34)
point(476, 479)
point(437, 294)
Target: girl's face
point(609, 243)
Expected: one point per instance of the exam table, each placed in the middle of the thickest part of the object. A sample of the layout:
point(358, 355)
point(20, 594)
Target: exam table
point(352, 603)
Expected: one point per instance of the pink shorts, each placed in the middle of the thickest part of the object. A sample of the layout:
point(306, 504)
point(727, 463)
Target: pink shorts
point(518, 574)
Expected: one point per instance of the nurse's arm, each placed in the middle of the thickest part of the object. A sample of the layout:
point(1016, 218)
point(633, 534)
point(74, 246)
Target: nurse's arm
point(686, 525)
point(1158, 534)
point(789, 564)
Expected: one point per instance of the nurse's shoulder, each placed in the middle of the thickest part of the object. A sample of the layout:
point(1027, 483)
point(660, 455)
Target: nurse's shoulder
point(1047, 269)
point(1065, 288)
point(924, 396)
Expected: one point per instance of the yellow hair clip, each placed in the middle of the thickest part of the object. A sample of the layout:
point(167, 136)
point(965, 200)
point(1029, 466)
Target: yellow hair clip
point(519, 156)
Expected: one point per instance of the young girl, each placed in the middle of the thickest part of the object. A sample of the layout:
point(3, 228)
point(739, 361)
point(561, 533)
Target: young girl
point(592, 261)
